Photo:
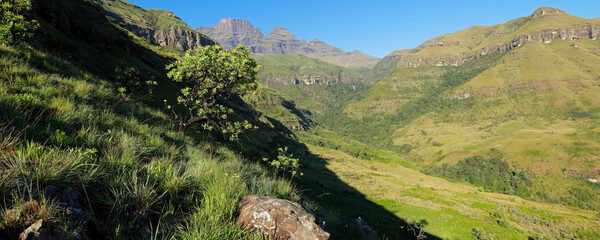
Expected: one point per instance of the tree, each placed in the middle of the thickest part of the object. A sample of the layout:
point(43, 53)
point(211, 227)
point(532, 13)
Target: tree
point(16, 24)
point(210, 76)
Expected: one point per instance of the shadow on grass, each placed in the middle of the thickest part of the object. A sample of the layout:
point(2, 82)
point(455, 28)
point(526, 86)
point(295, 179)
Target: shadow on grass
point(335, 199)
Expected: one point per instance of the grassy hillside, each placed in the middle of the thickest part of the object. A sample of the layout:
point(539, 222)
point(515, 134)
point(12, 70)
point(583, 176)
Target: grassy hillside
point(536, 104)
point(447, 210)
point(313, 84)
point(453, 47)
point(88, 152)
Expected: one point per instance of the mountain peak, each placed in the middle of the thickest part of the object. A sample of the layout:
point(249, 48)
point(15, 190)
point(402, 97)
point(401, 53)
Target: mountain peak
point(233, 25)
point(281, 30)
point(545, 11)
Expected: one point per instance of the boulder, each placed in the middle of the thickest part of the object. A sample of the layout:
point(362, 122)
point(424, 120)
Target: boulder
point(279, 219)
point(44, 230)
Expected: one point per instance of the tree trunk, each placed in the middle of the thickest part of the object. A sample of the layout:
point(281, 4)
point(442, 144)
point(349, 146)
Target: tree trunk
point(184, 126)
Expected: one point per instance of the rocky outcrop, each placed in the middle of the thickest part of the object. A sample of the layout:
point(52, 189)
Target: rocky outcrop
point(181, 39)
point(44, 230)
point(160, 27)
point(588, 29)
point(279, 219)
point(307, 79)
point(572, 32)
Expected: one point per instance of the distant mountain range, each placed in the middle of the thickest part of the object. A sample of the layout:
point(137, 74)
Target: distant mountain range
point(231, 32)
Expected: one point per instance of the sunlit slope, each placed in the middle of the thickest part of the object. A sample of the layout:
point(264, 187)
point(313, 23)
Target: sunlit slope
point(537, 103)
point(452, 210)
point(544, 25)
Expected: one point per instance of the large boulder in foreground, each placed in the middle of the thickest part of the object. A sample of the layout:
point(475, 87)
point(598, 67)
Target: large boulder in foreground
point(279, 219)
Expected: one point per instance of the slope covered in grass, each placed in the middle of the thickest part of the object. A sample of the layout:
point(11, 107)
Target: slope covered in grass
point(535, 103)
point(447, 210)
point(66, 128)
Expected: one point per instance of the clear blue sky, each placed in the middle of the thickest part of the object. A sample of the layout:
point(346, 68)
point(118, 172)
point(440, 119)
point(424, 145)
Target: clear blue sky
point(376, 27)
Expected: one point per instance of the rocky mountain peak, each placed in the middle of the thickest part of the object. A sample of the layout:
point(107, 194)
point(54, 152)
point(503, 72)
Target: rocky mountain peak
point(232, 25)
point(547, 11)
point(281, 31)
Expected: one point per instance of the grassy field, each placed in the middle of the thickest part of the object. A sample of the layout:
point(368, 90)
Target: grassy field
point(452, 210)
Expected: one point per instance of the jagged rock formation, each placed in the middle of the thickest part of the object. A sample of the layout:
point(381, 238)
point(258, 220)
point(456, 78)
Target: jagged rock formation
point(160, 27)
point(456, 48)
point(231, 32)
point(279, 219)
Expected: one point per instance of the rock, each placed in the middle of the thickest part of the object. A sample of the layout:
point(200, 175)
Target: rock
point(279, 219)
point(231, 32)
point(44, 230)
point(72, 205)
point(361, 225)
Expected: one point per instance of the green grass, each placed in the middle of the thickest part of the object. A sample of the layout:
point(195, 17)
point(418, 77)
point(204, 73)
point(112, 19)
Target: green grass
point(451, 210)
point(68, 128)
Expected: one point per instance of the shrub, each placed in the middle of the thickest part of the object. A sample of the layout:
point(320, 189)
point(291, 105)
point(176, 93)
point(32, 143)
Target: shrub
point(16, 24)
point(211, 76)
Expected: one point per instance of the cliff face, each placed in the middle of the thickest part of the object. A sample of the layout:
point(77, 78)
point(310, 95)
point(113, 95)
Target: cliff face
point(501, 38)
point(231, 32)
point(160, 27)
point(181, 39)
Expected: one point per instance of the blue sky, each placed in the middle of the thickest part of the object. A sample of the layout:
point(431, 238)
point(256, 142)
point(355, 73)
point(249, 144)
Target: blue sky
point(376, 27)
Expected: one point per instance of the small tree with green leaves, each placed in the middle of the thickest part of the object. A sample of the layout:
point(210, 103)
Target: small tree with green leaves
point(285, 162)
point(210, 76)
point(16, 24)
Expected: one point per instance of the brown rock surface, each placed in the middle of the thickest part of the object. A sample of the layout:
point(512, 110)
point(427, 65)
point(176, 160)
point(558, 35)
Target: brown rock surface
point(278, 219)
point(43, 230)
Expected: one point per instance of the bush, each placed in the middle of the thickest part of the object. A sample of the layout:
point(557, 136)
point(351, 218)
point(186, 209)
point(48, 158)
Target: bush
point(16, 24)
point(211, 76)
point(492, 173)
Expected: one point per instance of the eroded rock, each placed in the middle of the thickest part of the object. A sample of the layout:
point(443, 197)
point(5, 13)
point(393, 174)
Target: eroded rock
point(279, 219)
point(44, 230)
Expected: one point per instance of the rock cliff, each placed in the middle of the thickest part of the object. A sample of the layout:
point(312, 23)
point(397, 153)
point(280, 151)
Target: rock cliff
point(160, 27)
point(231, 32)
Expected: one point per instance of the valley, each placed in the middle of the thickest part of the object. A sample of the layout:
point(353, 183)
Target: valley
point(491, 132)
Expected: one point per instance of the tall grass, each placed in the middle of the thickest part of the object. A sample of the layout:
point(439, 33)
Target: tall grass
point(140, 178)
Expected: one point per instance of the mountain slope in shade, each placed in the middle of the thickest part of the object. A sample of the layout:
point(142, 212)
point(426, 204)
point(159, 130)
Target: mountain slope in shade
point(529, 88)
point(231, 32)
point(160, 27)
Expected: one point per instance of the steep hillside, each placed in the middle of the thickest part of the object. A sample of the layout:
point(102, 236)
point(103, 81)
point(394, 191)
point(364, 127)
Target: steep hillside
point(313, 84)
point(544, 25)
point(231, 32)
point(160, 27)
point(528, 88)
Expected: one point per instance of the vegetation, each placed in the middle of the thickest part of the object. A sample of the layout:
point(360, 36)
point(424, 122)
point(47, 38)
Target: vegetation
point(211, 75)
point(16, 24)
point(491, 173)
point(141, 178)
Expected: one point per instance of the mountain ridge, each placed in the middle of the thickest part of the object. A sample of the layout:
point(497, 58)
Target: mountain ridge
point(160, 27)
point(543, 25)
point(229, 32)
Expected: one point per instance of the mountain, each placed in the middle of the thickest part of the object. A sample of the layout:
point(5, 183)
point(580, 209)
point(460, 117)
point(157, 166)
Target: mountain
point(528, 88)
point(160, 27)
point(313, 84)
point(231, 32)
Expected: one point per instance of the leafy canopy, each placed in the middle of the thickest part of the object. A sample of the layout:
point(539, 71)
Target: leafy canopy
point(211, 76)
point(16, 24)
